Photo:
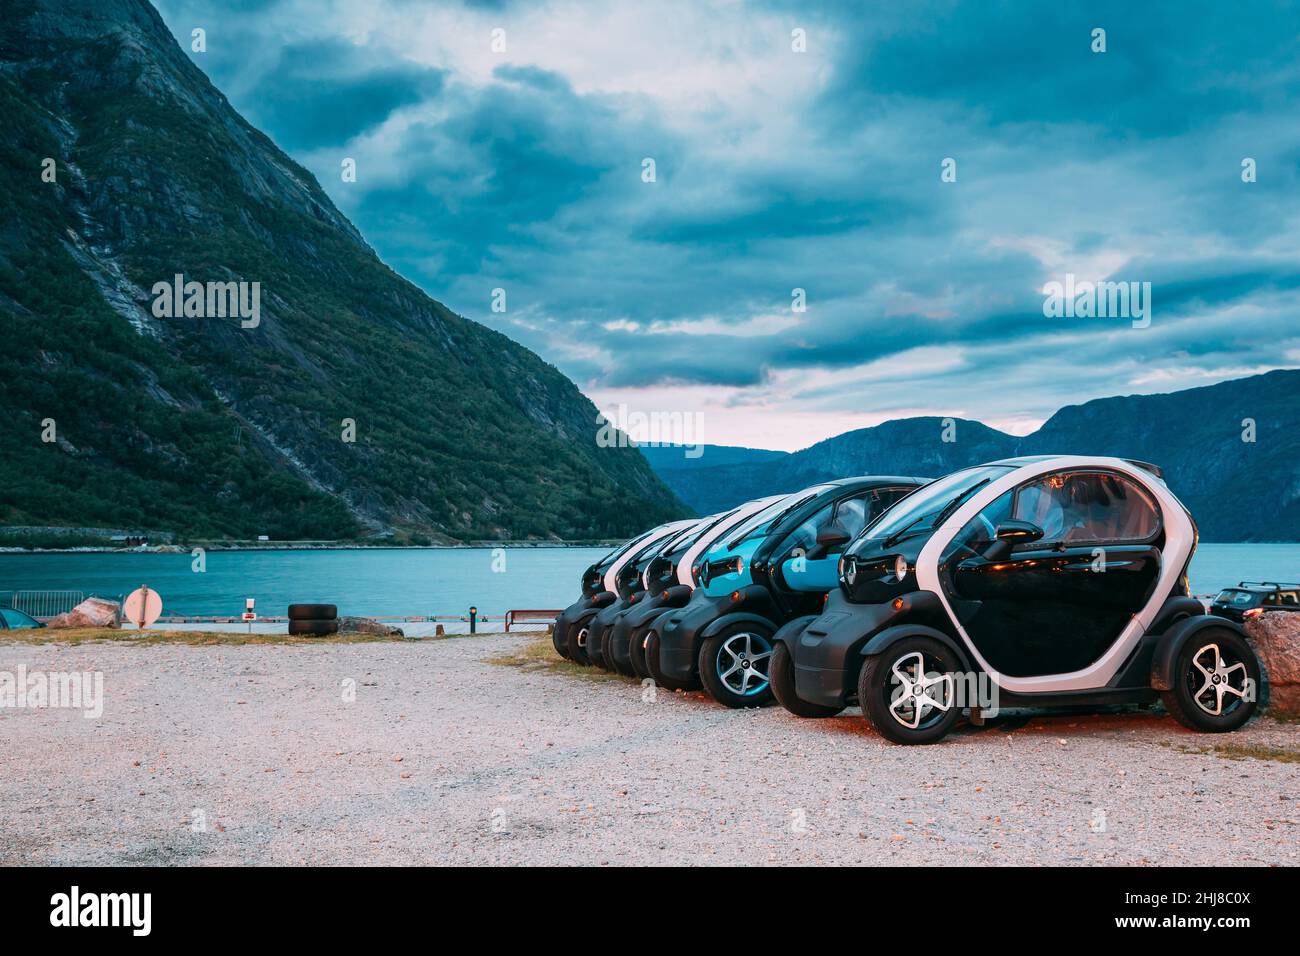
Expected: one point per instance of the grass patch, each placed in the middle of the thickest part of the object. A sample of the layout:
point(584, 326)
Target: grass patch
point(109, 635)
point(539, 655)
point(1246, 752)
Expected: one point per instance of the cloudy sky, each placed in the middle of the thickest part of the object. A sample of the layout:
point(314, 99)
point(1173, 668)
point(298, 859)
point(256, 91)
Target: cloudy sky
point(778, 169)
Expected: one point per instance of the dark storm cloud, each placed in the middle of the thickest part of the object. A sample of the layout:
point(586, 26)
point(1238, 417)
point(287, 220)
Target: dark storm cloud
point(818, 171)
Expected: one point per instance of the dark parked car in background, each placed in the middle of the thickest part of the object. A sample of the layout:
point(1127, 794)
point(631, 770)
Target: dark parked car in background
point(12, 619)
point(1252, 598)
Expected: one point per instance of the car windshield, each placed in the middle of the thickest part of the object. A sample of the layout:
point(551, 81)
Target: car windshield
point(773, 512)
point(918, 510)
point(684, 542)
point(1235, 597)
point(605, 563)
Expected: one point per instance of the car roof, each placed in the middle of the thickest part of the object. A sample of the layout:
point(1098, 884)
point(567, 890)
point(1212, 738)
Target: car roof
point(870, 480)
point(1023, 460)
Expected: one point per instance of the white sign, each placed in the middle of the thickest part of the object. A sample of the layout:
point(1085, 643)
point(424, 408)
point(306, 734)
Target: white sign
point(142, 607)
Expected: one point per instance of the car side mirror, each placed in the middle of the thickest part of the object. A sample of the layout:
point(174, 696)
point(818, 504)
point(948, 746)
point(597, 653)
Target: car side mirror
point(1011, 533)
point(829, 539)
point(1019, 532)
point(832, 536)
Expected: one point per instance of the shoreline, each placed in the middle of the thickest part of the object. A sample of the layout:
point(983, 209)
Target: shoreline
point(187, 549)
point(471, 546)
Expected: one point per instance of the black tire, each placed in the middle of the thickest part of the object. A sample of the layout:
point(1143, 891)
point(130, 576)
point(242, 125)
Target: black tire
point(597, 657)
point(1198, 675)
point(606, 650)
point(560, 638)
point(577, 642)
point(658, 676)
point(878, 685)
point(636, 651)
point(621, 666)
point(313, 612)
point(743, 653)
point(313, 628)
point(781, 675)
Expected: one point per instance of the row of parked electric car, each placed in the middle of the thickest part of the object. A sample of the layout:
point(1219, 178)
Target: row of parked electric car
point(1032, 582)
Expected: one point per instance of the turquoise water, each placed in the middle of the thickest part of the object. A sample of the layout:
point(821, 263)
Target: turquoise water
point(400, 582)
point(376, 582)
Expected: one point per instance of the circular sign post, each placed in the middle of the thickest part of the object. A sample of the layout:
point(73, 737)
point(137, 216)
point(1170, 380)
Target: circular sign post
point(142, 607)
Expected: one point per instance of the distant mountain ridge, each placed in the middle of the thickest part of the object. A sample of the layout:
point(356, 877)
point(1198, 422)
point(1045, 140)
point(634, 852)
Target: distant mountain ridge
point(356, 405)
point(1236, 490)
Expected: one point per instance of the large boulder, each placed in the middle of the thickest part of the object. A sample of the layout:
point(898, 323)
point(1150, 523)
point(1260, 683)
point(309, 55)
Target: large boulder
point(92, 612)
point(1276, 638)
point(363, 625)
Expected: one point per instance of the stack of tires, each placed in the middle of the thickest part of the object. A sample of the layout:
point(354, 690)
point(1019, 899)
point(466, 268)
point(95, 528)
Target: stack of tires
point(313, 620)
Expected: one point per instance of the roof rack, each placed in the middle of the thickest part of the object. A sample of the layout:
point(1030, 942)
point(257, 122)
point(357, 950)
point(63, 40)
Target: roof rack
point(1267, 584)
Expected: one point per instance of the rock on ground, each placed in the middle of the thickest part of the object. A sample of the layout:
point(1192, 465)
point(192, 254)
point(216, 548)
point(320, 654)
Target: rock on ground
point(363, 625)
point(92, 612)
point(1276, 637)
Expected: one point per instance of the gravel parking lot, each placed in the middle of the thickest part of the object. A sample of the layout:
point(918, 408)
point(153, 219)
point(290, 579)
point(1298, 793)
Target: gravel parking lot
point(256, 754)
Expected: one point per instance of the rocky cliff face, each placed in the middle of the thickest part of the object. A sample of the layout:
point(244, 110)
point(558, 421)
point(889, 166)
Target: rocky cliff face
point(1238, 490)
point(352, 403)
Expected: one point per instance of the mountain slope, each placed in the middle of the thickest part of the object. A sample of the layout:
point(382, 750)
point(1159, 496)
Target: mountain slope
point(201, 426)
point(1236, 490)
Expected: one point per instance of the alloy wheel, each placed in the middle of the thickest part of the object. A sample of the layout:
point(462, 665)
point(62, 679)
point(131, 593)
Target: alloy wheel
point(743, 661)
point(913, 703)
point(1218, 677)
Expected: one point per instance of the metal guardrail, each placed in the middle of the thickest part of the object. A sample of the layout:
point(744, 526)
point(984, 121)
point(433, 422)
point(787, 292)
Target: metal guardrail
point(42, 604)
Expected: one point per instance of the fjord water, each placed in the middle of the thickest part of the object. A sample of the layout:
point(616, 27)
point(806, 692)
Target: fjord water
point(385, 582)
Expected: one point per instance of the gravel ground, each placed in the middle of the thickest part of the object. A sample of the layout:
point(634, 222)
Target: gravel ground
point(445, 758)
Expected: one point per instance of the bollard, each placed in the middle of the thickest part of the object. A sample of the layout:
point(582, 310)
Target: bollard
point(473, 620)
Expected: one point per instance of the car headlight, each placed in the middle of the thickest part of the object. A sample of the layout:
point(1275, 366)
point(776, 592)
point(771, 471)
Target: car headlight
point(740, 565)
point(900, 567)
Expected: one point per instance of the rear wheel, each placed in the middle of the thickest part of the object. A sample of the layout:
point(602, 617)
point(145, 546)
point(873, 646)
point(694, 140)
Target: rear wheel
point(656, 674)
point(560, 638)
point(908, 693)
point(1216, 681)
point(734, 665)
point(781, 674)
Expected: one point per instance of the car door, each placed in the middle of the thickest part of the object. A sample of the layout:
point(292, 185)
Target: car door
point(1055, 605)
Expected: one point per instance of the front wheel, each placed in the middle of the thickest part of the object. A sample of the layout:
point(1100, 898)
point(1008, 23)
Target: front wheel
point(1216, 681)
point(908, 693)
point(577, 641)
point(636, 651)
point(656, 673)
point(560, 639)
point(782, 676)
point(734, 666)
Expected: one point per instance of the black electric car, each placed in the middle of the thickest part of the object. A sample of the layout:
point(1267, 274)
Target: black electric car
point(668, 585)
point(776, 565)
point(1252, 598)
point(595, 595)
point(1031, 582)
point(629, 585)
